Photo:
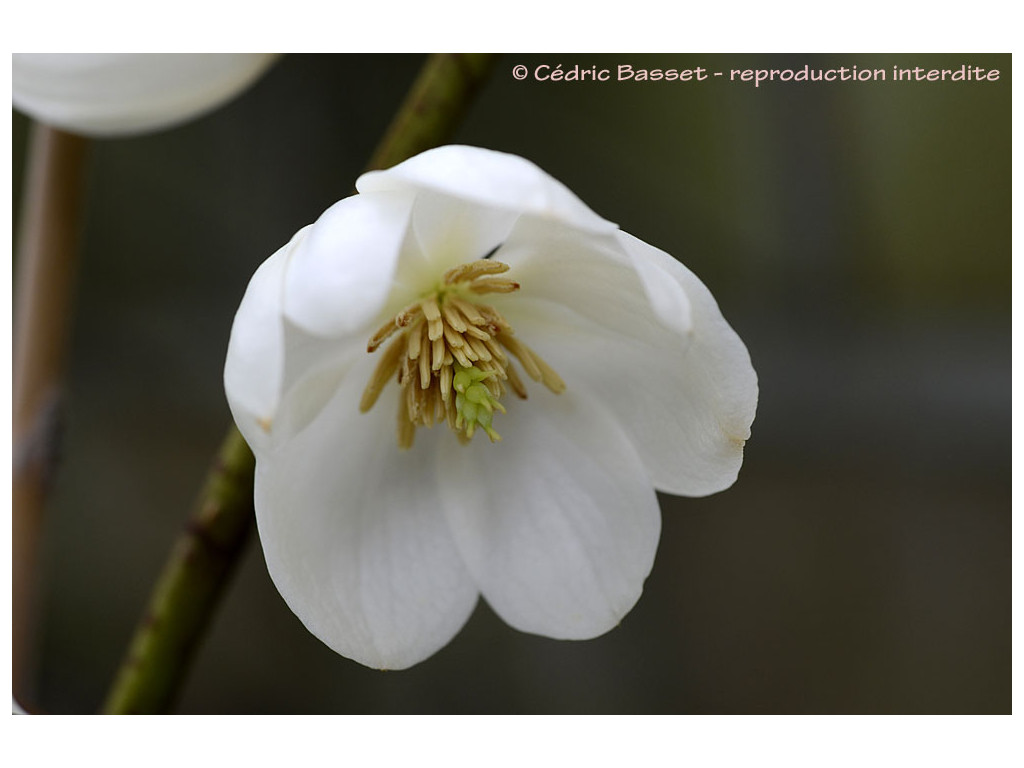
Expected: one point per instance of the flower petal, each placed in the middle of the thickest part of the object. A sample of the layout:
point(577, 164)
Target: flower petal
point(629, 324)
point(353, 536)
point(341, 274)
point(451, 231)
point(557, 522)
point(489, 179)
point(718, 367)
point(268, 357)
point(114, 94)
point(254, 369)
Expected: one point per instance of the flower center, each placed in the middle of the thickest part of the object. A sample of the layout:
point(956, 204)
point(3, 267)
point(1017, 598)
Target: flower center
point(451, 357)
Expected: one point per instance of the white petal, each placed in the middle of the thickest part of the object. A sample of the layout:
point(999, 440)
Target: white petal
point(717, 362)
point(660, 355)
point(254, 369)
point(269, 360)
point(354, 538)
point(489, 179)
point(450, 231)
point(557, 522)
point(666, 295)
point(117, 94)
point(341, 275)
point(314, 369)
point(590, 274)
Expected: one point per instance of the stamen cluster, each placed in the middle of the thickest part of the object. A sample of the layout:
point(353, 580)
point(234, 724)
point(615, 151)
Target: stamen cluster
point(451, 357)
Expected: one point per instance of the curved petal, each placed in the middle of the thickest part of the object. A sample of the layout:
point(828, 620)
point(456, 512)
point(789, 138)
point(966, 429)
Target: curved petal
point(557, 522)
point(314, 368)
point(353, 537)
point(728, 382)
point(254, 369)
point(489, 179)
point(341, 274)
point(626, 322)
point(269, 360)
point(451, 231)
point(114, 94)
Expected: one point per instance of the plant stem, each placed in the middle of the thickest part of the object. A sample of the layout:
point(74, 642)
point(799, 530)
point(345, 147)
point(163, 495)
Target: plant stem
point(44, 293)
point(434, 107)
point(203, 559)
point(189, 587)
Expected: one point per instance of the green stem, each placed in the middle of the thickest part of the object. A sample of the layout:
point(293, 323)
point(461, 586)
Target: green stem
point(435, 106)
point(204, 557)
point(189, 587)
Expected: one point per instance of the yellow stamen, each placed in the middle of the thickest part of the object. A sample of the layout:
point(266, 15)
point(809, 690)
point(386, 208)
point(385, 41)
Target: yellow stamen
point(445, 383)
point(459, 354)
point(452, 358)
point(453, 318)
point(472, 270)
point(482, 352)
point(406, 427)
point(424, 371)
point(550, 379)
point(386, 368)
point(515, 382)
point(478, 332)
point(493, 285)
point(438, 354)
point(452, 336)
point(469, 311)
point(521, 351)
point(415, 337)
point(495, 348)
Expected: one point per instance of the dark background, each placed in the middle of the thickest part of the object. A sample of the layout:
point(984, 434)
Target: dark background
point(856, 235)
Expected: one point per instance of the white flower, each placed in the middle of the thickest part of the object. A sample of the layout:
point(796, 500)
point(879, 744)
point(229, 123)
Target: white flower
point(381, 538)
point(114, 94)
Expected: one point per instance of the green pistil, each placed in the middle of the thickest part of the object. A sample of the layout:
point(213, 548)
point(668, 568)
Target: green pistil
point(474, 403)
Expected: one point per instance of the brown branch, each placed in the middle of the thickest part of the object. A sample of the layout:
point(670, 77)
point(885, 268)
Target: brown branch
point(46, 266)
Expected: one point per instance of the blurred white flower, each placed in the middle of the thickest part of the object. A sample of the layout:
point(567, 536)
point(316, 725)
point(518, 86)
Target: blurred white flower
point(460, 271)
point(115, 94)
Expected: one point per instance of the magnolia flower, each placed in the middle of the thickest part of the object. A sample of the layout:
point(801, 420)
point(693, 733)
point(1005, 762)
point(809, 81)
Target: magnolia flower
point(462, 381)
point(113, 94)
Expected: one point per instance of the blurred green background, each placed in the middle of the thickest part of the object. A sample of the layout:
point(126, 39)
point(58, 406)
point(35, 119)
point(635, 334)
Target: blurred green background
point(856, 235)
